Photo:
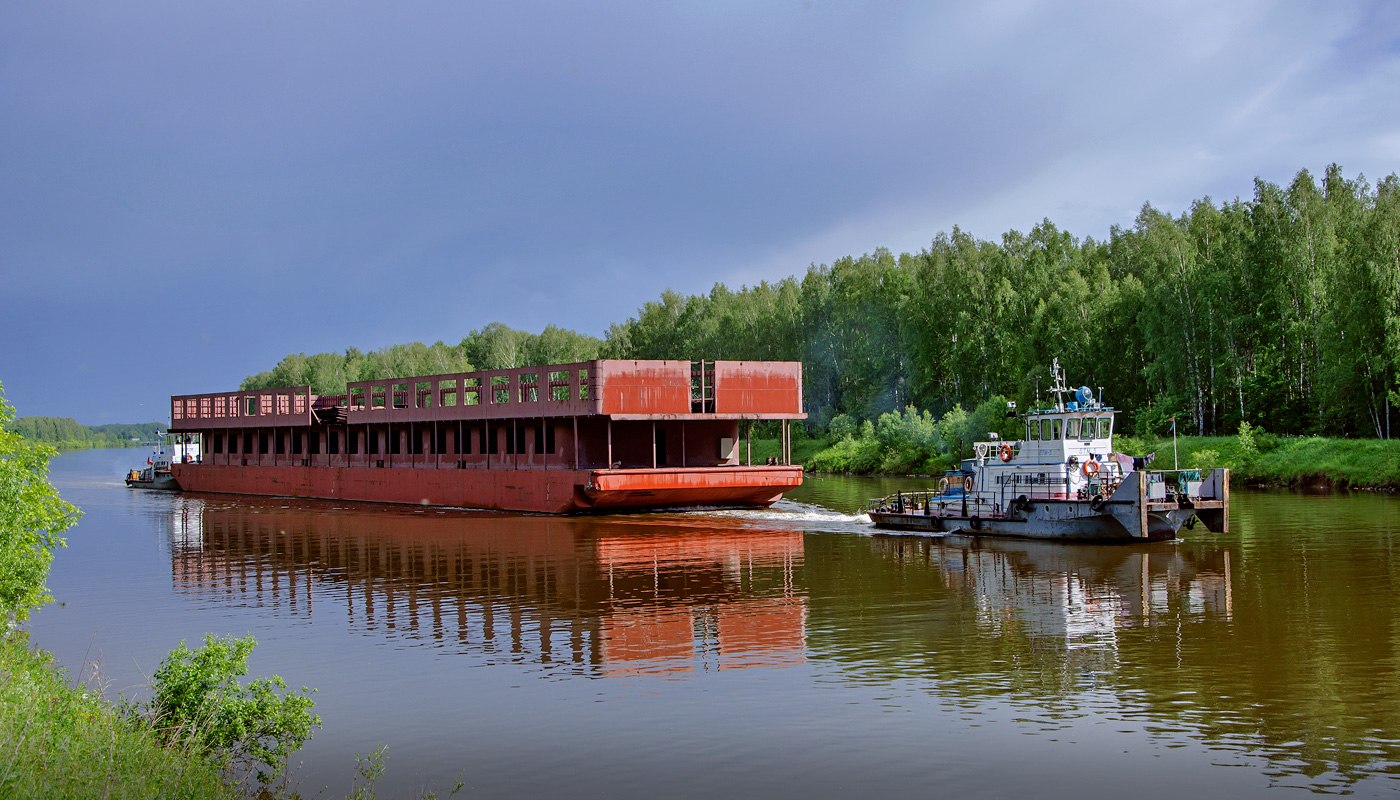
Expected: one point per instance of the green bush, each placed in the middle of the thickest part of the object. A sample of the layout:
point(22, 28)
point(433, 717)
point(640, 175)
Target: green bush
point(253, 729)
point(842, 426)
point(32, 516)
point(1204, 459)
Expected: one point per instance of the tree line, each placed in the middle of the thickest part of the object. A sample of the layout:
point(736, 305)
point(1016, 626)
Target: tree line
point(68, 432)
point(1282, 310)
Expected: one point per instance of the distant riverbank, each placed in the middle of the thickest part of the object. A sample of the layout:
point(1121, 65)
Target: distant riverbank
point(1255, 459)
point(66, 433)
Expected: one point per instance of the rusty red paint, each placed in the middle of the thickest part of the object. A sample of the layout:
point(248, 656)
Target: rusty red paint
point(595, 435)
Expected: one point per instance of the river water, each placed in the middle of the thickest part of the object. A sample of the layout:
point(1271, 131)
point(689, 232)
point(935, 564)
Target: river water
point(792, 652)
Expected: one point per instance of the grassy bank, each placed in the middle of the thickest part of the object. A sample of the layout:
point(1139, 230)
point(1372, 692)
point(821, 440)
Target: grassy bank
point(1255, 459)
point(1300, 461)
point(62, 739)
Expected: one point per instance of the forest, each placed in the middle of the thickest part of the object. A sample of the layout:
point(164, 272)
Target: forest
point(68, 433)
point(1281, 310)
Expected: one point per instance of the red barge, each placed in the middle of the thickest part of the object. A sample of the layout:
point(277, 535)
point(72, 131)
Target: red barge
point(593, 436)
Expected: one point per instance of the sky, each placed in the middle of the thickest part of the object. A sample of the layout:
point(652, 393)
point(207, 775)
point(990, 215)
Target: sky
point(190, 191)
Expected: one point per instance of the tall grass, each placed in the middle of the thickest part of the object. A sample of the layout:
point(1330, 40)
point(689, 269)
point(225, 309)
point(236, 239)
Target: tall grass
point(60, 740)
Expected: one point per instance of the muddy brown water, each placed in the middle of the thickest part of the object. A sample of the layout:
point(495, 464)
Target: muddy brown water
point(792, 652)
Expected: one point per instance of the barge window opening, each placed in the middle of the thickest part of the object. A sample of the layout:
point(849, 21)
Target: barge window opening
point(218, 443)
point(279, 442)
point(250, 408)
point(247, 443)
point(297, 438)
point(400, 395)
point(500, 389)
point(395, 444)
point(263, 444)
point(493, 443)
point(440, 441)
point(423, 394)
point(559, 386)
point(416, 438)
point(333, 442)
point(583, 384)
point(661, 459)
point(376, 398)
point(515, 439)
point(373, 442)
point(544, 438)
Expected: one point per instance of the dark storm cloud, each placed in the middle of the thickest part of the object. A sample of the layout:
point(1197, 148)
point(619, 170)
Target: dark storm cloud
point(261, 178)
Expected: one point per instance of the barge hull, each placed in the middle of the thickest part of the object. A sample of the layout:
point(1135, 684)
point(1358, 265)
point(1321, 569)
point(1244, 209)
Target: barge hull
point(550, 491)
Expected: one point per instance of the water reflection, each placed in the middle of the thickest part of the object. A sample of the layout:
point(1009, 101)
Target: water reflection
point(653, 595)
point(1080, 594)
point(1189, 642)
point(1275, 648)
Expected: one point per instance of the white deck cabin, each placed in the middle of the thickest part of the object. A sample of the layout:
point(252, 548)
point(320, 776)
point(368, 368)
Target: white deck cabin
point(1067, 452)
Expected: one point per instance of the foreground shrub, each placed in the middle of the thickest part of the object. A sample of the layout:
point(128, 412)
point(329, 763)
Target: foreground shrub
point(32, 516)
point(250, 730)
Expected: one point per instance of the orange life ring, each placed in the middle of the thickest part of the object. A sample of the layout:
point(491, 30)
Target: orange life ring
point(1006, 452)
point(1091, 468)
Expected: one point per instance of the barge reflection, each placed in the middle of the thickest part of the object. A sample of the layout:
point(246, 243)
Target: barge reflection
point(644, 595)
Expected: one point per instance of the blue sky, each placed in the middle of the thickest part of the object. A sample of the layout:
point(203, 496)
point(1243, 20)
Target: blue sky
point(189, 191)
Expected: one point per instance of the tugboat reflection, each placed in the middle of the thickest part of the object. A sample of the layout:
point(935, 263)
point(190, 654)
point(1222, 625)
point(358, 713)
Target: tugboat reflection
point(1083, 592)
point(623, 596)
point(1070, 603)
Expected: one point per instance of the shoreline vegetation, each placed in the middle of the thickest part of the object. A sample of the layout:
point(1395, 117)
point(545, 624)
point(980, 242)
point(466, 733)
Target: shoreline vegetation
point(1257, 460)
point(202, 734)
point(66, 433)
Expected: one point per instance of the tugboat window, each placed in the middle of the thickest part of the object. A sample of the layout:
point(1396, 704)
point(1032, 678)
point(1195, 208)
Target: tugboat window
point(1033, 432)
point(1072, 428)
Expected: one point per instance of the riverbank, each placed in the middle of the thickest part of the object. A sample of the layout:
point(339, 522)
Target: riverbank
point(63, 739)
point(1254, 459)
point(1302, 462)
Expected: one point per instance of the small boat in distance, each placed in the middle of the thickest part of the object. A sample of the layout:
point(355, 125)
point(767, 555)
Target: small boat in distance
point(1062, 481)
point(165, 450)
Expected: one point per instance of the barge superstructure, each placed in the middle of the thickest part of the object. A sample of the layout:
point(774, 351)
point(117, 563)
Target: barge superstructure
point(593, 436)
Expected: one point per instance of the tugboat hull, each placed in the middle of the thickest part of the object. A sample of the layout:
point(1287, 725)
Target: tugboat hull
point(1130, 515)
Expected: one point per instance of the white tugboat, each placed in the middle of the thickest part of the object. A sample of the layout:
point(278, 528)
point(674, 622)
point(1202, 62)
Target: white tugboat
point(168, 449)
point(1062, 481)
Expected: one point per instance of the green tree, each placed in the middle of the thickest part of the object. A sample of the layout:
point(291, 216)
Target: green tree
point(32, 516)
